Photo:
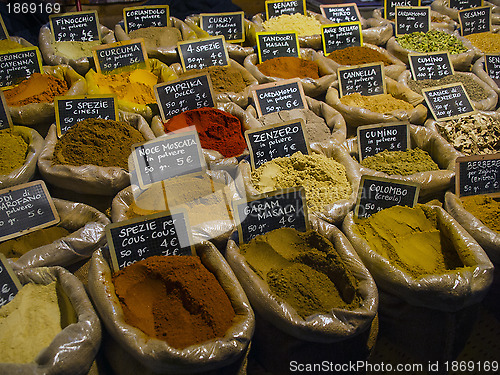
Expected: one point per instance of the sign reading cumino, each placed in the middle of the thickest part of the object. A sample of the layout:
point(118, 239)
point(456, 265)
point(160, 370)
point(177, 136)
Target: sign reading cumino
point(75, 26)
point(279, 96)
point(19, 64)
point(434, 65)
point(376, 138)
point(412, 19)
point(275, 8)
point(390, 7)
point(478, 174)
point(121, 56)
point(340, 36)
point(203, 53)
point(271, 45)
point(146, 16)
point(367, 79)
point(475, 20)
point(9, 282)
point(448, 101)
point(230, 24)
point(341, 13)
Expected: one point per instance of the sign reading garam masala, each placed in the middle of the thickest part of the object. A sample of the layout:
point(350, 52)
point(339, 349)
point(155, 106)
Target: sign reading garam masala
point(146, 16)
point(275, 8)
point(230, 24)
point(478, 174)
point(5, 119)
point(25, 208)
point(274, 210)
point(465, 4)
point(367, 79)
point(4, 34)
point(168, 156)
point(341, 13)
point(434, 65)
point(9, 282)
point(75, 26)
point(17, 65)
point(377, 193)
point(279, 96)
point(182, 95)
point(127, 55)
point(492, 67)
point(448, 101)
point(474, 20)
point(376, 138)
point(271, 45)
point(165, 233)
point(390, 6)
point(276, 141)
point(340, 36)
point(203, 53)
point(412, 19)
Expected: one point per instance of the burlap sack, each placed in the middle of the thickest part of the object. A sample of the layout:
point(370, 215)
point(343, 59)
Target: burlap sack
point(73, 349)
point(393, 71)
point(442, 6)
point(241, 98)
point(41, 115)
point(134, 352)
point(21, 41)
point(438, 21)
point(88, 179)
point(335, 212)
point(167, 55)
point(312, 87)
point(487, 104)
point(86, 227)
point(479, 69)
point(357, 116)
point(26, 172)
point(283, 336)
point(161, 70)
point(82, 65)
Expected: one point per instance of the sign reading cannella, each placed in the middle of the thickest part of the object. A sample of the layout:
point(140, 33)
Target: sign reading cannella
point(478, 174)
point(366, 79)
point(127, 55)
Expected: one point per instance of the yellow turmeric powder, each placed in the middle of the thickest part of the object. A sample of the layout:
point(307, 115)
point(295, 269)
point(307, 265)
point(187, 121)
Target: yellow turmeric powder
point(134, 87)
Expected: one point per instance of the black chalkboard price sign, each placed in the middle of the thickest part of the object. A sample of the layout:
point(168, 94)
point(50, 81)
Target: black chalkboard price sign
point(278, 209)
point(4, 34)
point(168, 156)
point(275, 8)
point(377, 193)
point(182, 95)
point(75, 26)
point(73, 109)
point(376, 138)
point(17, 65)
point(341, 13)
point(165, 233)
point(448, 101)
point(275, 141)
point(475, 20)
point(146, 16)
point(230, 24)
point(434, 65)
point(279, 96)
point(271, 45)
point(390, 7)
point(492, 66)
point(340, 36)
point(478, 174)
point(5, 119)
point(412, 19)
point(120, 56)
point(203, 53)
point(465, 4)
point(25, 208)
point(9, 283)
point(367, 79)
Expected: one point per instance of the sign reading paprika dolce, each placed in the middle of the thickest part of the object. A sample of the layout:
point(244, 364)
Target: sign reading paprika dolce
point(75, 26)
point(275, 8)
point(9, 282)
point(412, 19)
point(203, 53)
point(230, 24)
point(341, 13)
point(367, 79)
point(478, 174)
point(390, 6)
point(475, 20)
point(279, 96)
point(434, 65)
point(19, 64)
point(340, 36)
point(127, 55)
point(271, 45)
point(376, 138)
point(146, 16)
point(5, 119)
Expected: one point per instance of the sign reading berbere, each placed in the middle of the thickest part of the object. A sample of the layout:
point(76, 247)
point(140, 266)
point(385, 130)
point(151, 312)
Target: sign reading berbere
point(340, 36)
point(275, 8)
point(73, 109)
point(230, 24)
point(127, 55)
point(367, 79)
point(278, 209)
point(4, 34)
point(390, 6)
point(182, 95)
point(448, 101)
point(475, 20)
point(276, 141)
point(5, 119)
point(341, 13)
point(203, 53)
point(465, 4)
point(17, 65)
point(492, 67)
point(9, 283)
point(165, 233)
point(478, 174)
point(376, 138)
point(168, 156)
point(271, 45)
point(76, 26)
point(24, 209)
point(377, 193)
point(146, 16)
point(279, 96)
point(412, 19)
point(434, 65)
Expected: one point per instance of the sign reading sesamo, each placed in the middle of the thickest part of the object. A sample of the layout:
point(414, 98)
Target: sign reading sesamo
point(475, 20)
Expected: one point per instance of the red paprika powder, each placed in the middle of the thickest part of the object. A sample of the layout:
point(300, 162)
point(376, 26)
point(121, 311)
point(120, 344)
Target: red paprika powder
point(218, 130)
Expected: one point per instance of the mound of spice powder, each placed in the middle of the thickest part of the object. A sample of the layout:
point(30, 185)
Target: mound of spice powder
point(224, 78)
point(403, 163)
point(383, 103)
point(38, 88)
point(355, 55)
point(289, 67)
point(13, 151)
point(105, 143)
point(484, 208)
point(175, 299)
point(218, 130)
point(16, 247)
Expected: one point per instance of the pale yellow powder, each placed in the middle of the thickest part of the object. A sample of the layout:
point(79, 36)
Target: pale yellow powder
point(302, 25)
